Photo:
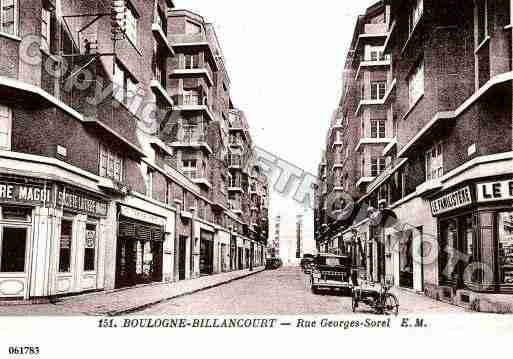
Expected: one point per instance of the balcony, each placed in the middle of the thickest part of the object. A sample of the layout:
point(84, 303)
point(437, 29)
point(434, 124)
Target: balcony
point(236, 142)
point(194, 72)
point(200, 177)
point(194, 103)
point(180, 41)
point(379, 101)
point(339, 161)
point(159, 90)
point(368, 63)
point(196, 140)
point(372, 141)
point(160, 35)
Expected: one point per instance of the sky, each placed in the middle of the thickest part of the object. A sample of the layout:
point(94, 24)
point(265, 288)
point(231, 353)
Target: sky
point(285, 60)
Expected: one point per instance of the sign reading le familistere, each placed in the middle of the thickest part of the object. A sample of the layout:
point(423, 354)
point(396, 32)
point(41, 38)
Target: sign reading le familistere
point(451, 201)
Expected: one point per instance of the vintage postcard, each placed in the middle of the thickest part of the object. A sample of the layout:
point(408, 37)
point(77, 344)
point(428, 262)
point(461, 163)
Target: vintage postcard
point(275, 170)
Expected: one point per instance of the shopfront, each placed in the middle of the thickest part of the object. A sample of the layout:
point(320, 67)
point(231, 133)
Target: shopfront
point(51, 238)
point(139, 247)
point(475, 225)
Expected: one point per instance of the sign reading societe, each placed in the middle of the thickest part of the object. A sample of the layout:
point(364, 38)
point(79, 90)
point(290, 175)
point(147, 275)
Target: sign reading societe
point(494, 191)
point(454, 200)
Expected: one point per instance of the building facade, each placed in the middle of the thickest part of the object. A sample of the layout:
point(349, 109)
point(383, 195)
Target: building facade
point(113, 149)
point(447, 153)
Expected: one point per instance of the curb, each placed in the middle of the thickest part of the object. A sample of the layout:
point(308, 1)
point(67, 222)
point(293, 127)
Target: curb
point(160, 301)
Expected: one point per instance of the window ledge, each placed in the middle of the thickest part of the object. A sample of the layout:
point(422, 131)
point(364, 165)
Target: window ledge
point(508, 27)
point(482, 44)
point(412, 107)
point(10, 36)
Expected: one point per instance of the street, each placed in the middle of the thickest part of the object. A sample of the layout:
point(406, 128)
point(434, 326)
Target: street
point(282, 292)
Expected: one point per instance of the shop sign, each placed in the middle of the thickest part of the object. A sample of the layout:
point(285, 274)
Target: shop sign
point(15, 192)
point(454, 200)
point(142, 216)
point(494, 191)
point(76, 201)
point(90, 239)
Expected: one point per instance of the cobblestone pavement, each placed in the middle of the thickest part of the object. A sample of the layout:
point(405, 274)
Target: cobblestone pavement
point(282, 292)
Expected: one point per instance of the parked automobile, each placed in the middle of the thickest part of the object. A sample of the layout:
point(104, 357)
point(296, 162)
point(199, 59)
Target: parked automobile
point(306, 263)
point(273, 263)
point(330, 272)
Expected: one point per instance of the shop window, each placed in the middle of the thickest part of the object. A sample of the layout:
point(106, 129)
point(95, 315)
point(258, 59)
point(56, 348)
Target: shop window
point(111, 164)
point(9, 17)
point(434, 162)
point(416, 84)
point(505, 233)
point(90, 248)
point(65, 246)
point(5, 128)
point(14, 242)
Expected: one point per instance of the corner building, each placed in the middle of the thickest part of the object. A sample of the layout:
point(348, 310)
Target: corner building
point(448, 165)
point(94, 193)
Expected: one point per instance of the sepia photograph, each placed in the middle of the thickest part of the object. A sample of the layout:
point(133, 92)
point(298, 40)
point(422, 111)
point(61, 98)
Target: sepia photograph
point(197, 166)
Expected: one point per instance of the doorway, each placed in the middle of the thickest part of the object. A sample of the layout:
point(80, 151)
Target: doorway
point(182, 257)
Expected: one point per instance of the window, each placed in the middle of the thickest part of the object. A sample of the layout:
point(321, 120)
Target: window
point(45, 29)
point(482, 20)
point(376, 54)
point(90, 248)
point(378, 128)
point(9, 17)
point(189, 164)
point(434, 162)
point(416, 84)
point(191, 97)
point(378, 90)
point(125, 85)
point(111, 164)
point(5, 128)
point(377, 166)
point(416, 13)
point(191, 62)
point(131, 25)
point(505, 234)
point(65, 246)
point(14, 242)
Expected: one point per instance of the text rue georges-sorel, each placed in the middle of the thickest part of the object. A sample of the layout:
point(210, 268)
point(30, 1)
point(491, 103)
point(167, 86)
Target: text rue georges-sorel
point(343, 324)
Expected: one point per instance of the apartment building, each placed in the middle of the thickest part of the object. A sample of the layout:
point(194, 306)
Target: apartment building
point(448, 158)
point(112, 161)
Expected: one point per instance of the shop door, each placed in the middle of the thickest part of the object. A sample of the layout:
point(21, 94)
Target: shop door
point(126, 263)
point(182, 257)
point(381, 261)
point(406, 262)
point(206, 257)
point(14, 259)
point(240, 258)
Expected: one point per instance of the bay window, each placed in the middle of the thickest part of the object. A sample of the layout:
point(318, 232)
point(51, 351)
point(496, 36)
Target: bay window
point(481, 8)
point(45, 29)
point(125, 85)
point(9, 17)
point(131, 25)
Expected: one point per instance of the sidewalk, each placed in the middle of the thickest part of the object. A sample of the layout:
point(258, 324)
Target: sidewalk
point(124, 301)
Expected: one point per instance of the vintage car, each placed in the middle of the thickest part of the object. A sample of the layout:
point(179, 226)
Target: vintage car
point(273, 263)
point(331, 272)
point(306, 263)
